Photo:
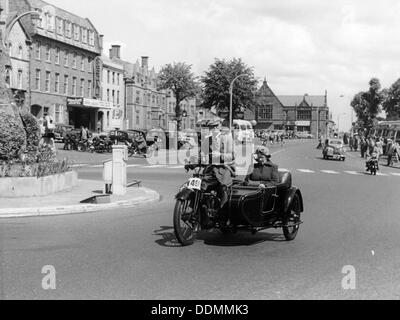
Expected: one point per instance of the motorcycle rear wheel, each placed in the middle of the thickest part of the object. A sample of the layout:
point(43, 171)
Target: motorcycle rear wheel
point(293, 216)
point(185, 230)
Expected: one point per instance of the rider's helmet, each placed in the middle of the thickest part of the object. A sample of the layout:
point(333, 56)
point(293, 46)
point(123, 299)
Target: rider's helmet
point(263, 151)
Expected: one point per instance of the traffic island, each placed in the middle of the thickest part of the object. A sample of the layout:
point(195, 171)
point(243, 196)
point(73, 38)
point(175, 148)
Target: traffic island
point(72, 201)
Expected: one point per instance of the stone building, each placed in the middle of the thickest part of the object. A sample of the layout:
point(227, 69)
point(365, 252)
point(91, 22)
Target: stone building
point(63, 66)
point(113, 91)
point(300, 113)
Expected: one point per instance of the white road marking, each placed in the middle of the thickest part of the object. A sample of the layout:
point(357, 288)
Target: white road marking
point(353, 172)
point(176, 167)
point(306, 170)
point(381, 174)
point(395, 174)
point(155, 166)
point(330, 171)
point(133, 165)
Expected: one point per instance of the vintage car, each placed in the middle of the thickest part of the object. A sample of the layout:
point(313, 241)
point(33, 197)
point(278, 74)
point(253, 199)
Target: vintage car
point(333, 149)
point(60, 132)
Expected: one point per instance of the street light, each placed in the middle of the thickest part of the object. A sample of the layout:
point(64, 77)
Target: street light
point(231, 98)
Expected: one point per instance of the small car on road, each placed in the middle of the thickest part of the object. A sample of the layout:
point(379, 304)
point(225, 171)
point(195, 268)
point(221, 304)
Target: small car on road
point(333, 149)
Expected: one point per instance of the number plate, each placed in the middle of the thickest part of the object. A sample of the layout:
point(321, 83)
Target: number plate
point(194, 183)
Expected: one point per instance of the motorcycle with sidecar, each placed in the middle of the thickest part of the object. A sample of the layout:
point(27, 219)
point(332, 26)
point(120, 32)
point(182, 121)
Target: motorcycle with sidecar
point(250, 207)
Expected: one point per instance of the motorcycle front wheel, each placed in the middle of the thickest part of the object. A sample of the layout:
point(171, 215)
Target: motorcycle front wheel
point(184, 225)
point(290, 232)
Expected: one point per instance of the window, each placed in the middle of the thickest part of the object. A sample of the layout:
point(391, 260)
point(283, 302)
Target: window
point(90, 64)
point(89, 88)
point(108, 95)
point(117, 97)
point(57, 55)
point(137, 97)
point(60, 26)
point(113, 96)
point(82, 89)
point(304, 114)
point(58, 113)
point(48, 53)
point(47, 82)
point(8, 76)
point(137, 117)
point(118, 75)
point(37, 79)
point(66, 58)
point(83, 63)
point(66, 79)
point(91, 38)
point(108, 76)
point(57, 83)
point(265, 112)
point(74, 86)
point(74, 60)
point(19, 79)
point(38, 50)
point(76, 32)
point(108, 118)
point(84, 35)
point(113, 78)
point(68, 27)
point(20, 52)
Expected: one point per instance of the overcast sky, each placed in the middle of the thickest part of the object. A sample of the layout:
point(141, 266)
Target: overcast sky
point(300, 46)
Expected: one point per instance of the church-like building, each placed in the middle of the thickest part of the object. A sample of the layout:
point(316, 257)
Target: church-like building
point(301, 113)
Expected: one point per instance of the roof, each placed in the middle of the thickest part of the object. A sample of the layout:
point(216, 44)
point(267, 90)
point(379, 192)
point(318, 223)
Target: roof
point(291, 101)
point(66, 15)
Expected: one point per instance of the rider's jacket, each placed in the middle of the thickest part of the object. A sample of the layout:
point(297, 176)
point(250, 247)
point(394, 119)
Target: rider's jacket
point(264, 173)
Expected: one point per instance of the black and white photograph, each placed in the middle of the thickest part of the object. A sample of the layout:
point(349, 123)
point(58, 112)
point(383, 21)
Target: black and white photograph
point(199, 150)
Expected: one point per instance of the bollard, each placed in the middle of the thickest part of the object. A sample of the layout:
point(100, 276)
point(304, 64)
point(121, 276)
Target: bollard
point(107, 176)
point(119, 178)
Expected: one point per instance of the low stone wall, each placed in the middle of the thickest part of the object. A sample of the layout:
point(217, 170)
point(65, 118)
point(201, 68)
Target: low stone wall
point(36, 187)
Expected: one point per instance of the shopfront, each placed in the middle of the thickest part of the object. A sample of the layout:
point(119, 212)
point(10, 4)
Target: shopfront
point(89, 113)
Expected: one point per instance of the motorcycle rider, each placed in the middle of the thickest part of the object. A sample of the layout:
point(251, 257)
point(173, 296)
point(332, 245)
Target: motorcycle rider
point(371, 160)
point(264, 171)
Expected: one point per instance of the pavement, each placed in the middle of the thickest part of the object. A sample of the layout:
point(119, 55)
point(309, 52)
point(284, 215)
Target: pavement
point(69, 201)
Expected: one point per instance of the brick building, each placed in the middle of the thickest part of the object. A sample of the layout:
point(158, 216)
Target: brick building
point(64, 65)
point(301, 113)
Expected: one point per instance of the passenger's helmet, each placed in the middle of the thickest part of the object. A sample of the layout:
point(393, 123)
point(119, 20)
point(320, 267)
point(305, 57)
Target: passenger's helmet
point(263, 151)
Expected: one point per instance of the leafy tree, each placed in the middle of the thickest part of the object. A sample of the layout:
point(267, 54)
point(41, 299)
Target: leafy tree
point(391, 104)
point(367, 104)
point(178, 78)
point(217, 81)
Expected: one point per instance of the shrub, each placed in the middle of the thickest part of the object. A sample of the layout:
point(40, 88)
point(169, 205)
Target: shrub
point(33, 136)
point(12, 137)
point(11, 169)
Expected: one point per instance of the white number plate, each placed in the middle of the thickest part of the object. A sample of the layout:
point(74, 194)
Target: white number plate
point(194, 183)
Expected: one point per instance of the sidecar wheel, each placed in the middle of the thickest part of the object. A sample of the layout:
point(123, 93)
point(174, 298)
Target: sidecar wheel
point(185, 230)
point(290, 233)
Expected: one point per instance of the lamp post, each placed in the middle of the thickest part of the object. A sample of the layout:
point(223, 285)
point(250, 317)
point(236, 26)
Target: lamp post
point(231, 98)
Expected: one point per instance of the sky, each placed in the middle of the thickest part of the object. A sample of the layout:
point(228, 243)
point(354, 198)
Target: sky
point(299, 46)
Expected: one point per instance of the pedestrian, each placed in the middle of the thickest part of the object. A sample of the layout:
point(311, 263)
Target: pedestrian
point(84, 134)
point(351, 142)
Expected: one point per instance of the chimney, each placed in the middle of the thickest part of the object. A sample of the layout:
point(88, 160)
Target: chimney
point(115, 51)
point(145, 62)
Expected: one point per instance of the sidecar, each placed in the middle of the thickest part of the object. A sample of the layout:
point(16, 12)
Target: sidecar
point(275, 206)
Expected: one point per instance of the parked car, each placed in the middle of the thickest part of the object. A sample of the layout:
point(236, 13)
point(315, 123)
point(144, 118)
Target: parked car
point(333, 149)
point(60, 131)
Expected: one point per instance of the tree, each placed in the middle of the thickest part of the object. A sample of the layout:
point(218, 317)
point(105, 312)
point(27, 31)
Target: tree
point(217, 81)
point(367, 104)
point(391, 104)
point(178, 78)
